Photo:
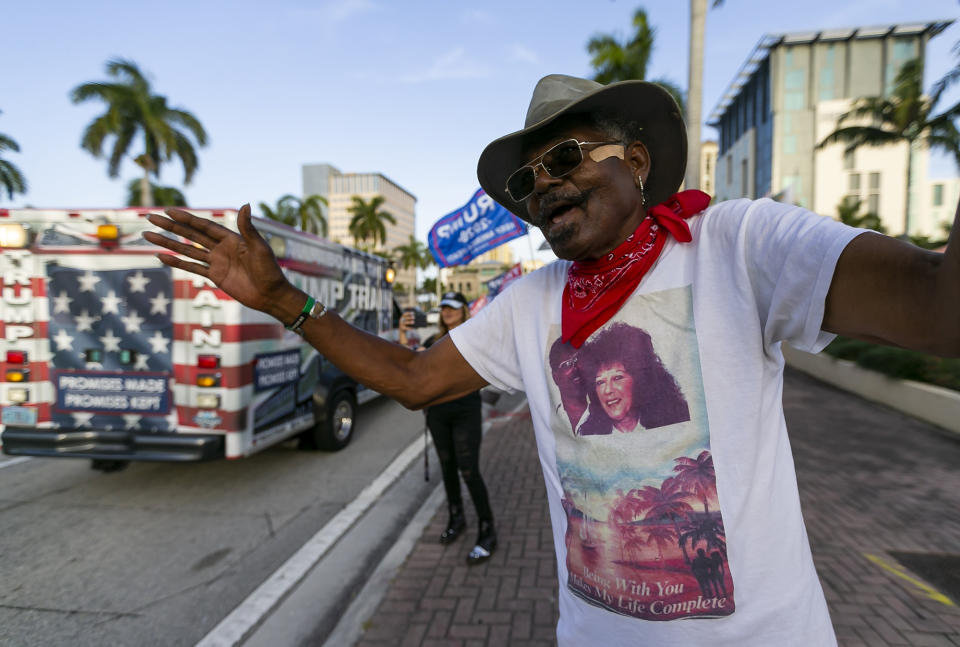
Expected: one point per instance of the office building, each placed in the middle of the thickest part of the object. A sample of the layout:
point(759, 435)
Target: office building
point(787, 98)
point(339, 188)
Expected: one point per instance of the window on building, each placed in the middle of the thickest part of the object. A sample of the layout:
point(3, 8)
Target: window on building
point(874, 182)
point(853, 184)
point(789, 144)
point(938, 195)
point(827, 73)
point(851, 200)
point(729, 169)
point(764, 95)
point(873, 203)
point(848, 159)
point(744, 185)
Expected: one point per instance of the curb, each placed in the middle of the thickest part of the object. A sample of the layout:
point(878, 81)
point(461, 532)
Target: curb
point(933, 404)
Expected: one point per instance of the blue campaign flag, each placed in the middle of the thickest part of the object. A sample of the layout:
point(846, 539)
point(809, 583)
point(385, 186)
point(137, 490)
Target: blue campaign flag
point(475, 228)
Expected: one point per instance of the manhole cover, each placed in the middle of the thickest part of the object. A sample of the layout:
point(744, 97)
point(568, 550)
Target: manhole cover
point(942, 571)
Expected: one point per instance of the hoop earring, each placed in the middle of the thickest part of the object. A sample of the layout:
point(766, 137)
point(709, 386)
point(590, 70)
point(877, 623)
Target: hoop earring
point(643, 191)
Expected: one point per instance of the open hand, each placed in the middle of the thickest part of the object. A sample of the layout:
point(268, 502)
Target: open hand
point(242, 265)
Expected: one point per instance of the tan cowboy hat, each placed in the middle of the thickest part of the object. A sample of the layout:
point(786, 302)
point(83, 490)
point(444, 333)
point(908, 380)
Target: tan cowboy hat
point(556, 95)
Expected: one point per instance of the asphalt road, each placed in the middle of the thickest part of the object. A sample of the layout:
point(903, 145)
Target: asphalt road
point(159, 553)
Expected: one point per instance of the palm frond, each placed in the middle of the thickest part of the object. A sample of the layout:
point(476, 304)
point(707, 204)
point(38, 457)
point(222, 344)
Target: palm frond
point(854, 136)
point(188, 121)
point(11, 179)
point(120, 146)
point(8, 144)
point(184, 149)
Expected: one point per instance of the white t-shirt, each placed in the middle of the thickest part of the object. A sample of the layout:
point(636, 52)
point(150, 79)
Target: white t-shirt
point(686, 530)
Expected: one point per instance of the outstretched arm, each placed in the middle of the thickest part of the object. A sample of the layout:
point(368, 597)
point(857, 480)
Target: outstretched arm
point(243, 266)
point(889, 291)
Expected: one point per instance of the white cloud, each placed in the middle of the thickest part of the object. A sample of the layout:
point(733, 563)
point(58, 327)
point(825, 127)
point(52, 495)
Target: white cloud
point(477, 17)
point(453, 64)
point(331, 14)
point(524, 55)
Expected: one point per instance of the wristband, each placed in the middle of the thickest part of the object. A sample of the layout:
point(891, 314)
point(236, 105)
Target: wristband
point(302, 316)
point(313, 309)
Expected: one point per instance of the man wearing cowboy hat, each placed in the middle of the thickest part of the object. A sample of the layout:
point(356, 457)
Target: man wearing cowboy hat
point(715, 289)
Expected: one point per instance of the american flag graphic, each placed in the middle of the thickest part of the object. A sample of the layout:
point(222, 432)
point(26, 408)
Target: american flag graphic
point(111, 324)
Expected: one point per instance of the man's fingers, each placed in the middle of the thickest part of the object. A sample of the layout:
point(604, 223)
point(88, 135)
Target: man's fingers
point(179, 263)
point(192, 251)
point(183, 223)
point(186, 231)
point(245, 224)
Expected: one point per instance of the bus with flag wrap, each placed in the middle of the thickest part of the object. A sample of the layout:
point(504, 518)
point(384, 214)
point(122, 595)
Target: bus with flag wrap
point(109, 355)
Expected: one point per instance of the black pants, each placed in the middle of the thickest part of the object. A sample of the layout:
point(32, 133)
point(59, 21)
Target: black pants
point(456, 430)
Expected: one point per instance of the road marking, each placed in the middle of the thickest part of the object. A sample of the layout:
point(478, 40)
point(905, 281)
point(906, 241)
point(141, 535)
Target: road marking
point(15, 461)
point(897, 570)
point(249, 613)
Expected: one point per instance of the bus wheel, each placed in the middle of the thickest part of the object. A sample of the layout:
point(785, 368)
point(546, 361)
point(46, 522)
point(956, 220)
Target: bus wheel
point(334, 431)
point(107, 465)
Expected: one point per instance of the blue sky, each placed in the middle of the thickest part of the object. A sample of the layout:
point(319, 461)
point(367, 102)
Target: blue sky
point(413, 90)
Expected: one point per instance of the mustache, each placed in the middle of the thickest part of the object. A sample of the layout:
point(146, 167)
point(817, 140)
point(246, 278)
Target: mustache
point(546, 204)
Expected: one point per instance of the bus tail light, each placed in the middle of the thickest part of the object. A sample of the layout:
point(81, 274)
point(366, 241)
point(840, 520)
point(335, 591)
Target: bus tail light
point(208, 361)
point(207, 381)
point(18, 375)
point(208, 401)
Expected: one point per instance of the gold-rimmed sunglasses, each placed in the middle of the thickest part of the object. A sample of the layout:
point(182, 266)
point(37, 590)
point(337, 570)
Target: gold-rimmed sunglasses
point(557, 162)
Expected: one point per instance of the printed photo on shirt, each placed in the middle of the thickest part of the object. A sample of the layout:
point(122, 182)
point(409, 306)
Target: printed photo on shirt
point(644, 531)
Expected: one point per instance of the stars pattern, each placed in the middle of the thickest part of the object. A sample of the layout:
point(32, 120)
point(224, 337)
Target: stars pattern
point(110, 342)
point(63, 340)
point(85, 321)
point(158, 342)
point(120, 313)
point(88, 281)
point(110, 303)
point(138, 282)
point(62, 303)
point(158, 304)
point(132, 322)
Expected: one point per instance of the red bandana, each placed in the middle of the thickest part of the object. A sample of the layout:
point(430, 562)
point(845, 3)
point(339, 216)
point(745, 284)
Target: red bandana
point(595, 290)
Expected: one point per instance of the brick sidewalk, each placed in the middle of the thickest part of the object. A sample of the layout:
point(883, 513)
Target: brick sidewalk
point(872, 481)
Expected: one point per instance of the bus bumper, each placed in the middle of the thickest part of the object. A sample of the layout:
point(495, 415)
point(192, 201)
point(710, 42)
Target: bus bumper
point(126, 445)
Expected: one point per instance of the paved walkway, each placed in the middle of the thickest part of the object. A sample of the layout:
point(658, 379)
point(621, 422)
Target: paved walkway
point(873, 482)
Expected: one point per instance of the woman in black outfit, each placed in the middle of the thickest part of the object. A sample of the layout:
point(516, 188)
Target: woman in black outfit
point(456, 430)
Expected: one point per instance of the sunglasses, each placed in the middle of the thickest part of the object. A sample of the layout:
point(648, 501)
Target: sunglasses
point(557, 162)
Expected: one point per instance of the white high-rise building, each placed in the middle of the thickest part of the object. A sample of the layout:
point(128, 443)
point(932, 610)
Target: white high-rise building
point(339, 188)
point(786, 99)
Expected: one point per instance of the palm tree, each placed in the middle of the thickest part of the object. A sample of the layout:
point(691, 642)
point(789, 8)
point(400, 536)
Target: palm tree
point(704, 529)
point(662, 536)
point(847, 214)
point(11, 178)
point(666, 502)
point(283, 212)
point(163, 196)
point(904, 116)
point(134, 111)
point(697, 476)
point(368, 220)
point(414, 254)
point(307, 213)
point(615, 61)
